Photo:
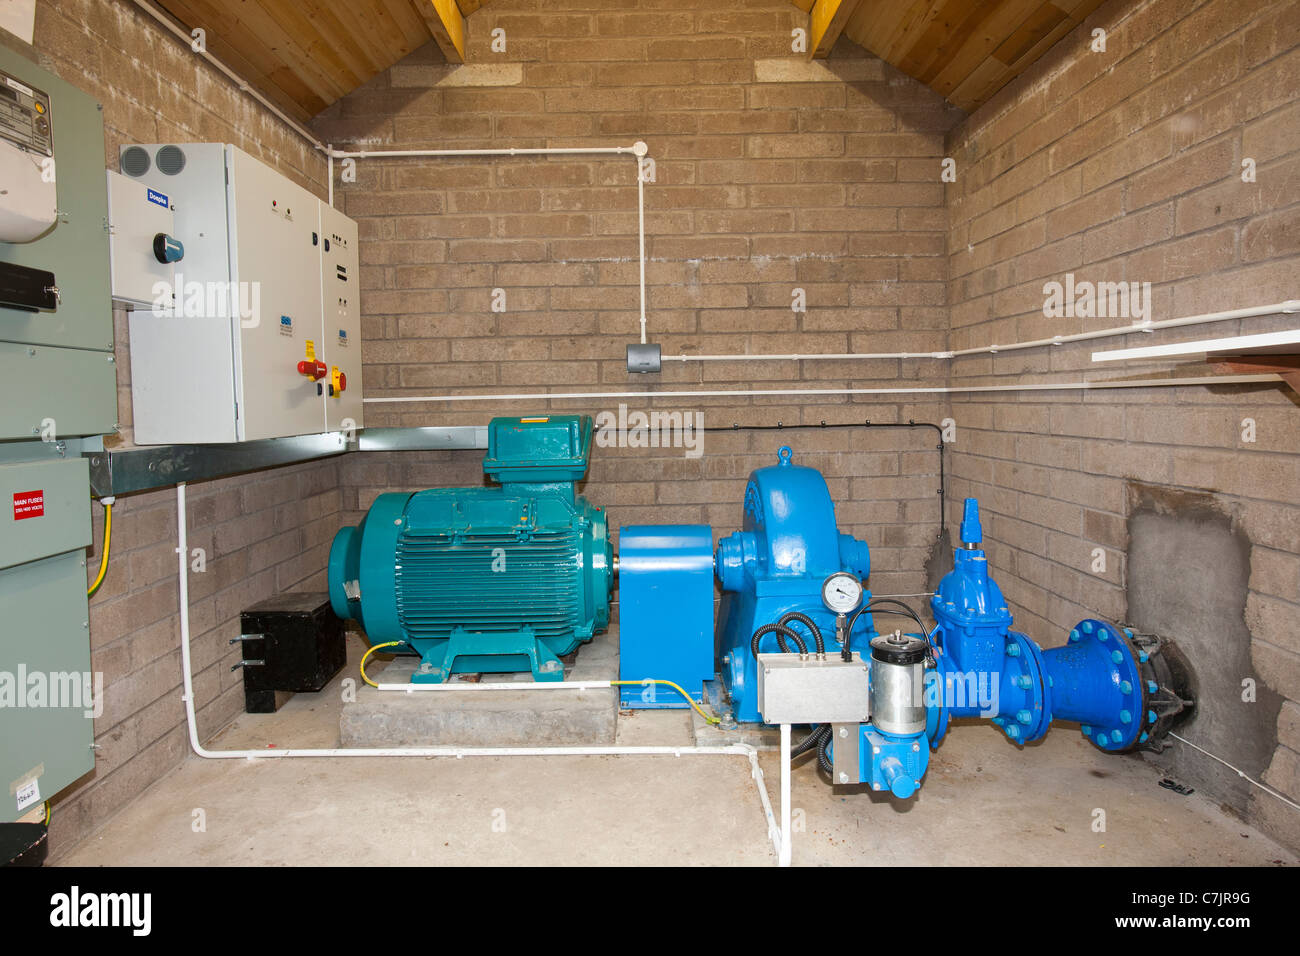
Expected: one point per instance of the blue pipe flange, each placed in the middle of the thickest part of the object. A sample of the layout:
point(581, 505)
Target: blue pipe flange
point(1096, 681)
point(1025, 707)
point(936, 708)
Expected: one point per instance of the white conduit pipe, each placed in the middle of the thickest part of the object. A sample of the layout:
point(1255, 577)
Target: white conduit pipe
point(640, 229)
point(637, 149)
point(774, 832)
point(767, 392)
point(502, 151)
point(1290, 305)
point(1240, 773)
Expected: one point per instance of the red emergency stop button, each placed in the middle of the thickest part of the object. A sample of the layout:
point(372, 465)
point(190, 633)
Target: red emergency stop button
point(315, 370)
point(343, 381)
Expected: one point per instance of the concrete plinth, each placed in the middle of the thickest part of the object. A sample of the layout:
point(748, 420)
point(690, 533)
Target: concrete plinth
point(488, 718)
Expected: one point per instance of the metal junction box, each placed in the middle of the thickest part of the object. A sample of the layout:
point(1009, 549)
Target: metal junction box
point(263, 335)
point(794, 689)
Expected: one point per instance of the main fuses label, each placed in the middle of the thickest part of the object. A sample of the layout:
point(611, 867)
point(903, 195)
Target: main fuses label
point(28, 504)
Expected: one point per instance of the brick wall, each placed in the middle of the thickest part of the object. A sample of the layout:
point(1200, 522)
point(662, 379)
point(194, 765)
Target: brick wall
point(772, 174)
point(1126, 166)
point(262, 533)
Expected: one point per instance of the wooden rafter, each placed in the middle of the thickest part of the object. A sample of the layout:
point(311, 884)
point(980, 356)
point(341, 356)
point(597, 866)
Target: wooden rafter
point(446, 25)
point(826, 21)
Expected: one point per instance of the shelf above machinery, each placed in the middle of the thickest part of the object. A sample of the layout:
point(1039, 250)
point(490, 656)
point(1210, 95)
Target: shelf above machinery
point(1275, 352)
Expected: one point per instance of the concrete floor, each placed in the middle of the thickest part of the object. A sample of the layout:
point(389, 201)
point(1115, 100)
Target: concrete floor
point(984, 802)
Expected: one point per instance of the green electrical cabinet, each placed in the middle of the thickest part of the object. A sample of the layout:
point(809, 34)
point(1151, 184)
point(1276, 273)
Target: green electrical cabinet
point(58, 387)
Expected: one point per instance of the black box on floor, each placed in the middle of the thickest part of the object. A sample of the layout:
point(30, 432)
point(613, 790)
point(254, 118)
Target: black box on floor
point(299, 642)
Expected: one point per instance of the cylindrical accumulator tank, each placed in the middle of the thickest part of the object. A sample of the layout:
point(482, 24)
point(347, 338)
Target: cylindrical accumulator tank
point(897, 684)
point(485, 579)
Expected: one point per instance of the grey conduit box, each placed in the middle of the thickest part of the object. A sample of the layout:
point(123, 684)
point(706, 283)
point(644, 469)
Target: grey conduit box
point(643, 358)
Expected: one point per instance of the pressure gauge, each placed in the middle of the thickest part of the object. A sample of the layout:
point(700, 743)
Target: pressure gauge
point(842, 593)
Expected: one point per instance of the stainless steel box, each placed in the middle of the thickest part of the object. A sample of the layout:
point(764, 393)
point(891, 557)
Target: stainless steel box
point(793, 689)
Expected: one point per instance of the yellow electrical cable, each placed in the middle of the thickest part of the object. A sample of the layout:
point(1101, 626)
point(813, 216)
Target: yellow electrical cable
point(613, 683)
point(47, 813)
point(668, 683)
point(368, 653)
point(103, 560)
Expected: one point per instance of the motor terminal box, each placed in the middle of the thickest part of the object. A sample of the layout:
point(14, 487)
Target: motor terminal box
point(261, 336)
point(813, 689)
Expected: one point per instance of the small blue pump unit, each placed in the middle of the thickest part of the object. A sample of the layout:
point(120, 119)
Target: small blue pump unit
point(776, 564)
point(485, 579)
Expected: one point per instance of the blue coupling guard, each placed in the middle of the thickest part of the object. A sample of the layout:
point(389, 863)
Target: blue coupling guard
point(665, 587)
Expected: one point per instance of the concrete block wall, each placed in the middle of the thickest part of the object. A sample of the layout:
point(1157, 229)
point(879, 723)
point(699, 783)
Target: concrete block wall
point(771, 174)
point(261, 533)
point(1126, 165)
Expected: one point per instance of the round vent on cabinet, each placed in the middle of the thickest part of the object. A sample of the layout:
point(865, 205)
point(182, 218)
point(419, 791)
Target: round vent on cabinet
point(135, 161)
point(170, 160)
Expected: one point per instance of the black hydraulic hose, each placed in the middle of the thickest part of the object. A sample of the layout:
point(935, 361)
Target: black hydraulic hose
point(782, 632)
point(884, 606)
point(807, 622)
point(812, 740)
point(823, 757)
point(888, 605)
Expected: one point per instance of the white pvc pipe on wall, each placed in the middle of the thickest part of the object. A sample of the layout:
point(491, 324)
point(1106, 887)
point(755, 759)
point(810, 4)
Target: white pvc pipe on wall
point(1289, 306)
point(795, 392)
point(182, 550)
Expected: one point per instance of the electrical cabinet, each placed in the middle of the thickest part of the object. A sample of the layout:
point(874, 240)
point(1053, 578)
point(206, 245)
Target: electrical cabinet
point(56, 317)
point(58, 385)
point(262, 338)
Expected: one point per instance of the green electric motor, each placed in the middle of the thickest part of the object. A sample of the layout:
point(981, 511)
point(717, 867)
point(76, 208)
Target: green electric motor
point(485, 579)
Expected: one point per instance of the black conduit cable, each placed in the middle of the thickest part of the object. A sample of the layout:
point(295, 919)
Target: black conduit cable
point(907, 611)
point(808, 743)
point(824, 758)
point(782, 633)
point(868, 423)
point(807, 622)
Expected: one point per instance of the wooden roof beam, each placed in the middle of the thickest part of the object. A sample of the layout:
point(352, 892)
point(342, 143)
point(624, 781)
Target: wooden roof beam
point(826, 20)
point(446, 25)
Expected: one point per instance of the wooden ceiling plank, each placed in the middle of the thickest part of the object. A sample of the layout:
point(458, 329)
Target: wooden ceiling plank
point(1041, 22)
point(987, 37)
point(252, 62)
point(309, 52)
point(1027, 59)
point(825, 23)
point(252, 31)
point(349, 36)
point(945, 18)
point(961, 19)
point(910, 28)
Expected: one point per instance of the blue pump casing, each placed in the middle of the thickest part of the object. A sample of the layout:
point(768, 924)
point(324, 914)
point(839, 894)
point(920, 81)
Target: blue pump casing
point(788, 545)
point(665, 600)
